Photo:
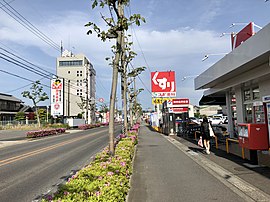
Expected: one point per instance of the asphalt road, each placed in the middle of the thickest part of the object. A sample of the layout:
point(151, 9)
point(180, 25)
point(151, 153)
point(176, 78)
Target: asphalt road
point(33, 168)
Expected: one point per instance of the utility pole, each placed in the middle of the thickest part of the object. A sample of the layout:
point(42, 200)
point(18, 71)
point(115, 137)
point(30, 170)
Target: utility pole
point(86, 95)
point(68, 101)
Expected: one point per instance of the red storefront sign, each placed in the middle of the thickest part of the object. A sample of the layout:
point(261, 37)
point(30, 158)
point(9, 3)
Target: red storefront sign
point(180, 101)
point(242, 36)
point(163, 82)
point(178, 109)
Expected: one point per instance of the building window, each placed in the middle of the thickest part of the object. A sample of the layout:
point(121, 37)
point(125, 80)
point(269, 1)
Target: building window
point(252, 114)
point(234, 114)
point(79, 82)
point(79, 92)
point(79, 73)
point(256, 93)
point(70, 63)
point(68, 72)
point(247, 95)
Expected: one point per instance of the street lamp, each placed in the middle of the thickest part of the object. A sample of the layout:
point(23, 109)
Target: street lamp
point(226, 33)
point(186, 77)
point(207, 55)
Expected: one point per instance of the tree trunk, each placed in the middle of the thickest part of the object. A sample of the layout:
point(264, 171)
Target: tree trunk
point(38, 119)
point(114, 83)
point(124, 87)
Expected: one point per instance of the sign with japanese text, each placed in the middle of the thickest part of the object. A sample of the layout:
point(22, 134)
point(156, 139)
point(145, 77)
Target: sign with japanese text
point(178, 102)
point(57, 98)
point(159, 100)
point(163, 84)
point(178, 109)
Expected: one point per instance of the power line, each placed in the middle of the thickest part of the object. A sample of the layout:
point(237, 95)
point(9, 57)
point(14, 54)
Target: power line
point(133, 30)
point(32, 68)
point(27, 24)
point(21, 77)
point(142, 81)
point(30, 63)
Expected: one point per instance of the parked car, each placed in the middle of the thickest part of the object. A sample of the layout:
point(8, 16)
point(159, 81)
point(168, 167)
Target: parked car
point(225, 120)
point(195, 120)
point(216, 121)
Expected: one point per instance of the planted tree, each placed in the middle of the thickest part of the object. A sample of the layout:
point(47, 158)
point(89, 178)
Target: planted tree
point(42, 114)
point(117, 24)
point(36, 94)
point(82, 105)
point(20, 116)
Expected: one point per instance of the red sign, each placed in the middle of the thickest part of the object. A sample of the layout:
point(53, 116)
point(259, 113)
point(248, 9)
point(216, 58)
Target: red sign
point(242, 36)
point(180, 101)
point(178, 109)
point(163, 82)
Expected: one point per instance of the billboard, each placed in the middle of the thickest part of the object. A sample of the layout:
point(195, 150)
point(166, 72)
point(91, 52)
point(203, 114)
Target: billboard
point(163, 84)
point(57, 97)
point(242, 35)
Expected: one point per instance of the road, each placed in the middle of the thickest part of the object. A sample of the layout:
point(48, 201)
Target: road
point(33, 168)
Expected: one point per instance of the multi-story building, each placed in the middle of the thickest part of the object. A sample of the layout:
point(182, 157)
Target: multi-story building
point(79, 85)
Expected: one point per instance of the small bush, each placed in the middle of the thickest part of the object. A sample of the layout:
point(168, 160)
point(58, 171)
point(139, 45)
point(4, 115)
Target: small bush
point(43, 133)
point(105, 179)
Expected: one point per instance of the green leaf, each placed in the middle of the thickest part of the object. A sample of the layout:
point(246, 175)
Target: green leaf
point(95, 3)
point(89, 32)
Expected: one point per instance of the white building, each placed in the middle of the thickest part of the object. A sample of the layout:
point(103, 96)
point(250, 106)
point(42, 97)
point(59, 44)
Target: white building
point(241, 80)
point(79, 84)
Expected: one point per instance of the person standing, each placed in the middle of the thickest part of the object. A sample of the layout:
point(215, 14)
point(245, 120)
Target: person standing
point(205, 131)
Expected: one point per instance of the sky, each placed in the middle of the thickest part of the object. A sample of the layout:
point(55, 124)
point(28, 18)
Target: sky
point(176, 37)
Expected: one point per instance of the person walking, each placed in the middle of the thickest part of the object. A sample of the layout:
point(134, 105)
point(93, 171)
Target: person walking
point(205, 131)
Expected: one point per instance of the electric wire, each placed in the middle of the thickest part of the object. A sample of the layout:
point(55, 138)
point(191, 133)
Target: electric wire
point(26, 24)
point(6, 72)
point(133, 30)
point(32, 68)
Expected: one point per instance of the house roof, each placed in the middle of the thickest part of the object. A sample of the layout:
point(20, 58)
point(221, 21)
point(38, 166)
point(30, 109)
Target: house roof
point(9, 98)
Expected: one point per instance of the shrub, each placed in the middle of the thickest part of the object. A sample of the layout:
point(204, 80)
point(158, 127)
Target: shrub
point(105, 179)
point(43, 133)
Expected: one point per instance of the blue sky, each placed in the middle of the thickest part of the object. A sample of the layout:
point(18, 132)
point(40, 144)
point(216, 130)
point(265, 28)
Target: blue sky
point(176, 36)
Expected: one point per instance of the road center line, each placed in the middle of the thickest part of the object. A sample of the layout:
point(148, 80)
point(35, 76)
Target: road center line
point(38, 151)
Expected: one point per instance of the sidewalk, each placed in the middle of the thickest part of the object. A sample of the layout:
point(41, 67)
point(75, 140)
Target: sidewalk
point(175, 169)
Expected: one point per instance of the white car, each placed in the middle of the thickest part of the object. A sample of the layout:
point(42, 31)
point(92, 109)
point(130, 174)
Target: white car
point(195, 120)
point(216, 121)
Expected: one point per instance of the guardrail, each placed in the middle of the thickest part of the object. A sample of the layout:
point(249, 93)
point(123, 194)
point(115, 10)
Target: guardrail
point(237, 141)
point(22, 122)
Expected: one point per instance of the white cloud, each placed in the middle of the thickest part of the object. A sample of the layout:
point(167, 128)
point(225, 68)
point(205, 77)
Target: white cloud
point(178, 49)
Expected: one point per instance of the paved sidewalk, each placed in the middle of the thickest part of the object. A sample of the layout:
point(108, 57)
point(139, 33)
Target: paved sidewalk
point(175, 169)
